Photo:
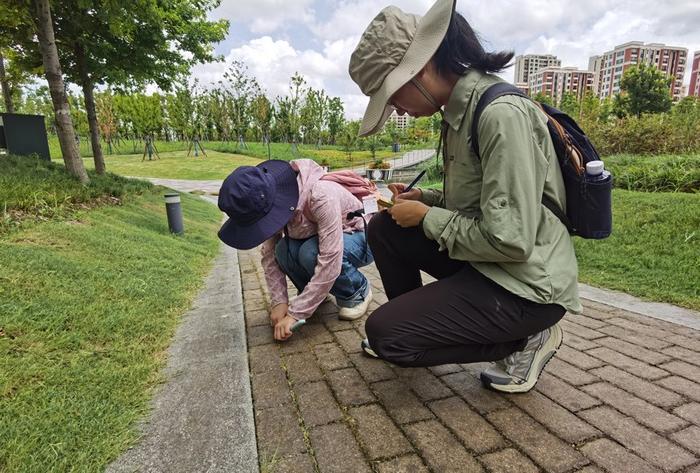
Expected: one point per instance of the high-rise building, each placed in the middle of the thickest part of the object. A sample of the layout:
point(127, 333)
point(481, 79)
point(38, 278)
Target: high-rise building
point(528, 64)
point(694, 88)
point(402, 121)
point(554, 82)
point(609, 66)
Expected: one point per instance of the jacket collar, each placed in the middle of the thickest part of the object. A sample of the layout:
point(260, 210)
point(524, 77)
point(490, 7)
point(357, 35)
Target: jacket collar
point(461, 96)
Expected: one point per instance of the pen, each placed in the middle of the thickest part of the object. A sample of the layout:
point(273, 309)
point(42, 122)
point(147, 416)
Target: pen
point(415, 181)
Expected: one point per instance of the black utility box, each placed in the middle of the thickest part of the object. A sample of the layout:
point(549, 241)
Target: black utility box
point(24, 135)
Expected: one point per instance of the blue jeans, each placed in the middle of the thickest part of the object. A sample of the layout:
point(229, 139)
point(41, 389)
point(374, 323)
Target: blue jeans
point(299, 263)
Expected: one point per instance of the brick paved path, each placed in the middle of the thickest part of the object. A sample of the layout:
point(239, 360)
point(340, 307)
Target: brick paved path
point(620, 396)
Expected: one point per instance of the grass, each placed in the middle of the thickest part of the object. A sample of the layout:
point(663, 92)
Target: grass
point(664, 173)
point(89, 306)
point(653, 251)
point(176, 165)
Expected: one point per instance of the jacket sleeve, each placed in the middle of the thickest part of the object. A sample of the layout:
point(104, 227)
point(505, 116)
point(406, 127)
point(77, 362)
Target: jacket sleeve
point(274, 276)
point(432, 197)
point(510, 196)
point(326, 210)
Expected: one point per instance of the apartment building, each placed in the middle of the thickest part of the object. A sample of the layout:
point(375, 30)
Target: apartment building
point(528, 64)
point(402, 121)
point(556, 81)
point(609, 67)
point(694, 87)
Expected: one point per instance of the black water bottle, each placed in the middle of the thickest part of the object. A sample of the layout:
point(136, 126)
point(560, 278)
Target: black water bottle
point(598, 214)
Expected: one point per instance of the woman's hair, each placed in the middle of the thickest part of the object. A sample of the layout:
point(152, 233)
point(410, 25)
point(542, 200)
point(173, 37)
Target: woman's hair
point(461, 49)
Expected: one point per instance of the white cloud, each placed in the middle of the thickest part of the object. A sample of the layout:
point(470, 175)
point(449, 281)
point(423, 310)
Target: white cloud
point(265, 16)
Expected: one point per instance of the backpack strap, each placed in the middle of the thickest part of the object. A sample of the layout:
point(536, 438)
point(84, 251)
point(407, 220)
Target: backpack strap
point(492, 93)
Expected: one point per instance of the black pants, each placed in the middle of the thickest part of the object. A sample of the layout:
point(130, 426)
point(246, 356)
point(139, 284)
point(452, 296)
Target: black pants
point(464, 317)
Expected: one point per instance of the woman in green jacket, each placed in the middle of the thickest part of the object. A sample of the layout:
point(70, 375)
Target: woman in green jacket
point(505, 264)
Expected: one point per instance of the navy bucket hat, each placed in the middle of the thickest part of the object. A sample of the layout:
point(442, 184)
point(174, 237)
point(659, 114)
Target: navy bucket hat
point(259, 201)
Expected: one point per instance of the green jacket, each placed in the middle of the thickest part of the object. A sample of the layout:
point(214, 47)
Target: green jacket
point(490, 211)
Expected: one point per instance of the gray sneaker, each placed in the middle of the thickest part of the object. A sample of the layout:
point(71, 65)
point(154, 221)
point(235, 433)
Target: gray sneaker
point(519, 371)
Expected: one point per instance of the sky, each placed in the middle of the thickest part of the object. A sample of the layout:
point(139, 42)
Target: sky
point(276, 38)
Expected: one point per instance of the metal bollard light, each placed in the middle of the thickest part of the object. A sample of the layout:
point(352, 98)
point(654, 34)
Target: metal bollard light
point(174, 211)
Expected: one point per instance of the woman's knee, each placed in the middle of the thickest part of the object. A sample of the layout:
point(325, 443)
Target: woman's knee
point(378, 226)
point(385, 340)
point(282, 253)
point(308, 255)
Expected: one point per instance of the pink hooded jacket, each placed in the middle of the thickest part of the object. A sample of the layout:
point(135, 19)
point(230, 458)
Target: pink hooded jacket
point(322, 210)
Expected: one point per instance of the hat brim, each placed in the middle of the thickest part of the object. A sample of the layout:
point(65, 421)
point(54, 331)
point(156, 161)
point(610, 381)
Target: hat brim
point(430, 32)
point(245, 237)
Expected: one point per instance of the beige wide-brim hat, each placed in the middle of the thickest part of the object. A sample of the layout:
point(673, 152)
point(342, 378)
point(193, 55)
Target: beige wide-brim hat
point(392, 50)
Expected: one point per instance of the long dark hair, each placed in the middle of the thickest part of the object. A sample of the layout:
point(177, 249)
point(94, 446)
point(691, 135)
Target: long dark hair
point(461, 49)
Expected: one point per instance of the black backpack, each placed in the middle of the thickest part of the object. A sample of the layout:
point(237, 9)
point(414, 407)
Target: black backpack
point(588, 203)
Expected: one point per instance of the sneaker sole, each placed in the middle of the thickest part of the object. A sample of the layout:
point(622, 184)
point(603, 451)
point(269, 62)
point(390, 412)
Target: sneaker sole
point(528, 385)
point(367, 351)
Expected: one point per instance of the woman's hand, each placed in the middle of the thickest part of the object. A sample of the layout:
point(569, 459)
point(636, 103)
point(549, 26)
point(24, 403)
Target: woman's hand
point(408, 213)
point(278, 312)
point(283, 328)
point(397, 192)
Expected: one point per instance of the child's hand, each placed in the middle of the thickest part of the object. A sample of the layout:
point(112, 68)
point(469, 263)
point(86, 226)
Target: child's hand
point(283, 328)
point(278, 312)
point(408, 213)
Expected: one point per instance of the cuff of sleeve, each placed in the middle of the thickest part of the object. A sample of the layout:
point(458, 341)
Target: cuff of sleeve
point(435, 221)
point(275, 303)
point(296, 315)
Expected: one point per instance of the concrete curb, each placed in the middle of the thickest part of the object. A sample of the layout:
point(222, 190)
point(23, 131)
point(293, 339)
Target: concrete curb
point(657, 310)
point(202, 418)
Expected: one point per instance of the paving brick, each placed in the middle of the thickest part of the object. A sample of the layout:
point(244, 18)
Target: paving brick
point(574, 341)
point(337, 450)
point(278, 432)
point(547, 450)
point(580, 330)
point(295, 344)
point(624, 362)
point(597, 309)
point(334, 324)
point(682, 368)
point(316, 404)
point(441, 370)
point(643, 412)
point(645, 443)
point(590, 469)
point(635, 351)
point(264, 358)
point(471, 428)
point(350, 340)
point(682, 386)
point(578, 359)
point(316, 334)
point(560, 421)
point(426, 386)
point(689, 438)
point(568, 396)
point(683, 354)
point(349, 387)
point(331, 357)
point(372, 370)
point(260, 335)
point(440, 449)
point(407, 464)
point(471, 390)
point(689, 412)
point(378, 434)
point(508, 461)
point(640, 328)
point(297, 463)
point(614, 457)
point(254, 318)
point(401, 404)
point(569, 373)
point(646, 390)
point(270, 389)
point(634, 337)
point(695, 469)
point(585, 321)
point(302, 368)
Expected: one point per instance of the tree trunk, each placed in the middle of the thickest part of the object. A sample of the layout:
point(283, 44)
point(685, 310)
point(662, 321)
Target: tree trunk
point(88, 93)
point(54, 76)
point(6, 90)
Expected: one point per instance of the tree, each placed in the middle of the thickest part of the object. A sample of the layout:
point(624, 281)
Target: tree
point(240, 87)
point(54, 76)
point(261, 113)
point(645, 89)
point(11, 79)
point(543, 98)
point(104, 104)
point(570, 104)
point(335, 118)
point(349, 136)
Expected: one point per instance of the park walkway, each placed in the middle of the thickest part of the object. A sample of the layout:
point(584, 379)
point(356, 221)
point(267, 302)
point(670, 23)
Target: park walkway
point(620, 396)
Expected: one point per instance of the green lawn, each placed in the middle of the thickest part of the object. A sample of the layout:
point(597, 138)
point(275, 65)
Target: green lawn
point(89, 300)
point(176, 165)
